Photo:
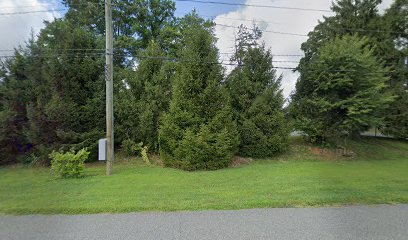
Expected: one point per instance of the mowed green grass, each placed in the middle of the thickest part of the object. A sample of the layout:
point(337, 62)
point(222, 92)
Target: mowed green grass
point(379, 174)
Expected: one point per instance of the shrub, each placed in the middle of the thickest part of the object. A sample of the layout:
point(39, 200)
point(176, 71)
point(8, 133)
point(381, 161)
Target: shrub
point(69, 164)
point(204, 150)
point(130, 147)
point(145, 157)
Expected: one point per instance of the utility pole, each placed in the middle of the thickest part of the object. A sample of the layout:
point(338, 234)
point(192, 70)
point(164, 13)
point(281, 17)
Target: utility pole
point(109, 87)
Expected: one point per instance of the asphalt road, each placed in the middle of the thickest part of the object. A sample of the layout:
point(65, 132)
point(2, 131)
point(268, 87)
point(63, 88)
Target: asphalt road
point(357, 222)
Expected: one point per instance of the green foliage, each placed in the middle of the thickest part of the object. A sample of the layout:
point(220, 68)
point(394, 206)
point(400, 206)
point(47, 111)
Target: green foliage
point(396, 121)
point(136, 23)
point(396, 115)
point(69, 164)
point(144, 97)
point(198, 132)
point(129, 147)
point(14, 93)
point(256, 98)
point(31, 159)
point(346, 90)
point(144, 155)
point(385, 34)
point(54, 93)
point(9, 138)
point(350, 17)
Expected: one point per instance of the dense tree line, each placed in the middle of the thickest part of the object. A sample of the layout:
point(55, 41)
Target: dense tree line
point(174, 96)
point(171, 92)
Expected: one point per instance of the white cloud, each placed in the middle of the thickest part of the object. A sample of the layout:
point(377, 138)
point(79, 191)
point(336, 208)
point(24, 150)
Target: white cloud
point(16, 29)
point(300, 22)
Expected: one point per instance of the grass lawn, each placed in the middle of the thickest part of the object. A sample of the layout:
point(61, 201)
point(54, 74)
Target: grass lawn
point(378, 174)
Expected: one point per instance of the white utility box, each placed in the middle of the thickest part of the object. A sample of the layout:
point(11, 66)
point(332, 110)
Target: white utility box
point(102, 149)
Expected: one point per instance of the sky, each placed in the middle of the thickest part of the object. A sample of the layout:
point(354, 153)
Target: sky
point(16, 29)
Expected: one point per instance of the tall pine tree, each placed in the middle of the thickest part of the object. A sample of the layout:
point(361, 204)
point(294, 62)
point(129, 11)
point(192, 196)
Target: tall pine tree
point(198, 131)
point(143, 97)
point(396, 115)
point(256, 97)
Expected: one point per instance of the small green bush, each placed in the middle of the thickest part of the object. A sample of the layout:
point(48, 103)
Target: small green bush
point(69, 164)
point(144, 155)
point(131, 148)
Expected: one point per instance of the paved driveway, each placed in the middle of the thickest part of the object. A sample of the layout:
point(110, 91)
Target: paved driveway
point(357, 222)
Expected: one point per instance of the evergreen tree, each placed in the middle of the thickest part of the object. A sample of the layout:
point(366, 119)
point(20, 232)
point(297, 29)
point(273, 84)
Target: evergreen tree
point(53, 93)
point(14, 93)
point(144, 96)
point(396, 115)
point(346, 90)
point(67, 109)
point(256, 98)
point(198, 131)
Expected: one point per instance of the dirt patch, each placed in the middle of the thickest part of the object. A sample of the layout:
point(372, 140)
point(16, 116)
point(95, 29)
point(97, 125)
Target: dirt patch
point(238, 161)
point(332, 154)
point(156, 160)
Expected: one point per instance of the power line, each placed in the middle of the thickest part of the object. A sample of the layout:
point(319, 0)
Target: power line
point(275, 32)
point(36, 11)
point(178, 60)
point(255, 5)
point(241, 19)
point(195, 1)
point(102, 50)
point(212, 17)
point(205, 16)
point(97, 54)
point(63, 49)
point(29, 6)
point(276, 23)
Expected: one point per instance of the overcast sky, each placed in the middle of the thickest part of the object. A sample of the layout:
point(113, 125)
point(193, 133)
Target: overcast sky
point(15, 29)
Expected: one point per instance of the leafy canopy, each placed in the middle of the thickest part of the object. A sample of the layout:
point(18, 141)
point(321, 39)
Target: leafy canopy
point(347, 90)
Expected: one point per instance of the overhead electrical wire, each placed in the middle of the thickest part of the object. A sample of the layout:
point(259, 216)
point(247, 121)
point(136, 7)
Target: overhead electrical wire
point(184, 60)
point(256, 5)
point(178, 60)
point(193, 1)
point(232, 64)
point(275, 32)
point(29, 6)
point(213, 18)
point(34, 11)
point(197, 1)
point(118, 49)
point(102, 51)
point(93, 54)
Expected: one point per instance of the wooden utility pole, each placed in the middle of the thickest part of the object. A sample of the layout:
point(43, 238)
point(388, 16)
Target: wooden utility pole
point(109, 87)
